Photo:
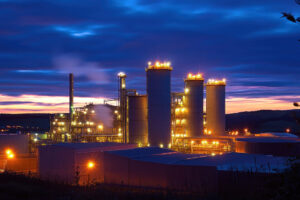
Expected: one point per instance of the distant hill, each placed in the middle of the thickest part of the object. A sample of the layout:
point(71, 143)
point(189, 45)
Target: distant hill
point(255, 121)
point(264, 121)
point(28, 122)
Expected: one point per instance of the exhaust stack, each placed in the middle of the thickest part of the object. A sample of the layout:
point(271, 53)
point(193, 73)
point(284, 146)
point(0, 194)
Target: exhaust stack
point(71, 96)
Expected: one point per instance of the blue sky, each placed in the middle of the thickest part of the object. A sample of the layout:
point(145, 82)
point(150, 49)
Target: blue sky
point(244, 41)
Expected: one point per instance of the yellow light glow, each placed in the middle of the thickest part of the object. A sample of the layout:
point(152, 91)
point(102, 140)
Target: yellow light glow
point(216, 82)
point(11, 156)
point(100, 127)
point(8, 151)
point(186, 90)
point(197, 76)
point(121, 74)
point(161, 146)
point(90, 165)
point(160, 65)
point(204, 142)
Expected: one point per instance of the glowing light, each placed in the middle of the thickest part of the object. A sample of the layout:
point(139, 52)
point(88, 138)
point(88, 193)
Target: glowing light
point(161, 146)
point(197, 76)
point(121, 74)
point(90, 165)
point(186, 90)
point(100, 127)
point(213, 154)
point(216, 82)
point(287, 130)
point(170, 145)
point(204, 142)
point(160, 65)
point(9, 154)
point(8, 151)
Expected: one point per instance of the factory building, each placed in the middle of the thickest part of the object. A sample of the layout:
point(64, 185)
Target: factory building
point(75, 163)
point(178, 116)
point(215, 107)
point(137, 120)
point(159, 103)
point(194, 104)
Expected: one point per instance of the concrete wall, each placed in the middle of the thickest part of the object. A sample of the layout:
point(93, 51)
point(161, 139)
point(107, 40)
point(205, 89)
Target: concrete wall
point(56, 164)
point(122, 170)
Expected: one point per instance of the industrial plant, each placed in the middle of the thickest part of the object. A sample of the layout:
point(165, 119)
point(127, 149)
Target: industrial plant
point(161, 139)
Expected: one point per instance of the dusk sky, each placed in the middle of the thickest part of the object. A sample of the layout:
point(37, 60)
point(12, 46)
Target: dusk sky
point(246, 42)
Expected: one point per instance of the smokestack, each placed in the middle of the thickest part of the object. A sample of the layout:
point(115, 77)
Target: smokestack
point(123, 104)
point(159, 103)
point(71, 96)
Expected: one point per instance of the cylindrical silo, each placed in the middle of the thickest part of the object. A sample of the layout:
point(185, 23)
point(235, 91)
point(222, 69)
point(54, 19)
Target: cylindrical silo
point(194, 104)
point(215, 106)
point(159, 103)
point(137, 119)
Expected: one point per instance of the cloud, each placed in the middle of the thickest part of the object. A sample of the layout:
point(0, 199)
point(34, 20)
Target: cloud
point(75, 65)
point(244, 41)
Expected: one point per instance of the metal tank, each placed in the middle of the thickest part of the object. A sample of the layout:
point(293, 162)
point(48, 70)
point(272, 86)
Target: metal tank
point(194, 104)
point(215, 106)
point(159, 103)
point(137, 120)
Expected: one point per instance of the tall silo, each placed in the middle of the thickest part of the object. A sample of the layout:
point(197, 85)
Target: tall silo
point(137, 119)
point(194, 104)
point(215, 106)
point(159, 103)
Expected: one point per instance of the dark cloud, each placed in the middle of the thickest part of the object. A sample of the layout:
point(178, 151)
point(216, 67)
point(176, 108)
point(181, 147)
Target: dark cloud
point(245, 41)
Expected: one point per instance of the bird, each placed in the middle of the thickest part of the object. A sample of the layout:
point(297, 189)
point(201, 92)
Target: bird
point(289, 16)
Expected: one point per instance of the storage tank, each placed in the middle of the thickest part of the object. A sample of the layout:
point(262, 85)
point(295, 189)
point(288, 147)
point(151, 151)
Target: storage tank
point(215, 106)
point(194, 104)
point(159, 103)
point(137, 119)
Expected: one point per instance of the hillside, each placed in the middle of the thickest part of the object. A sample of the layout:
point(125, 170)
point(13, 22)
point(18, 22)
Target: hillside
point(256, 121)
